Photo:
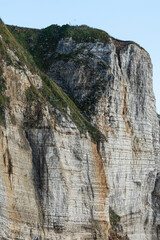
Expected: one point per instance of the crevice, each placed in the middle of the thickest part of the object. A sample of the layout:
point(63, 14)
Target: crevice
point(10, 166)
point(119, 45)
point(4, 159)
point(7, 160)
point(124, 110)
point(119, 59)
point(89, 180)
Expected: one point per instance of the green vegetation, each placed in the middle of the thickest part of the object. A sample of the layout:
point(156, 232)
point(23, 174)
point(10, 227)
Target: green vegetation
point(54, 33)
point(114, 218)
point(42, 43)
point(32, 93)
point(38, 43)
point(8, 41)
point(57, 98)
point(28, 39)
point(52, 94)
point(95, 94)
point(87, 34)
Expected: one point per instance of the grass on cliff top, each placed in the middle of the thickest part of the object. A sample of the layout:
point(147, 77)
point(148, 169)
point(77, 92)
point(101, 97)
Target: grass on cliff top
point(54, 33)
point(42, 43)
point(87, 34)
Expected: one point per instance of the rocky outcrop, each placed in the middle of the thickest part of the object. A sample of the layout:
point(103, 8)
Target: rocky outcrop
point(63, 176)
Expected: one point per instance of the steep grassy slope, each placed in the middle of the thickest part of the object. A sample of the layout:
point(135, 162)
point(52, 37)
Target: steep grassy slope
point(7, 41)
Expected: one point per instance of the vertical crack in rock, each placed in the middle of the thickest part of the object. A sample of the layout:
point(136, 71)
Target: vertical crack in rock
point(91, 196)
point(89, 180)
point(124, 111)
point(7, 160)
point(10, 166)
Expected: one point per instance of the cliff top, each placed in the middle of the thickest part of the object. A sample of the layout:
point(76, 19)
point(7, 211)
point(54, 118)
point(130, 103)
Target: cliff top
point(43, 42)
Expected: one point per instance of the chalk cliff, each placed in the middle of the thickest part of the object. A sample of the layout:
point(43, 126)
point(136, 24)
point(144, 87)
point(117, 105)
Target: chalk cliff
point(86, 168)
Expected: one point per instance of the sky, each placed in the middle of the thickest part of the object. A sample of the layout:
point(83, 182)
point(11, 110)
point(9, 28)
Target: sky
point(137, 20)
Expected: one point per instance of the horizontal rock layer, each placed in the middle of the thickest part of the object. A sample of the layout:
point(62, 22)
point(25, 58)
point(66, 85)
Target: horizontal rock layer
point(116, 90)
point(56, 181)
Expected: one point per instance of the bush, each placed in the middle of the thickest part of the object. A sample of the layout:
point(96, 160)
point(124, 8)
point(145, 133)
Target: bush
point(114, 218)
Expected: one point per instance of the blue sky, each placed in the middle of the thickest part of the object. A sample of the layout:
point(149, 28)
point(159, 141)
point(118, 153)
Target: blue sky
point(137, 20)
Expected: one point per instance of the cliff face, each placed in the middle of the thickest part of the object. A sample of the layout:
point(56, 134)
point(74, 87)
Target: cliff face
point(53, 182)
point(63, 176)
point(120, 102)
